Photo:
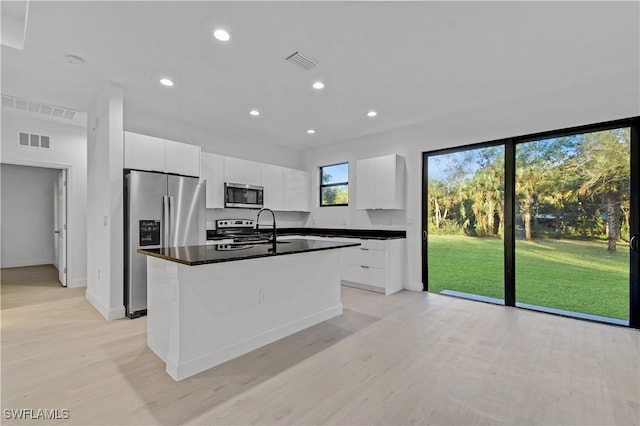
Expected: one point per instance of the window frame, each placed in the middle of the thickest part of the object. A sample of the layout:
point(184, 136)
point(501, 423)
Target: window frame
point(329, 185)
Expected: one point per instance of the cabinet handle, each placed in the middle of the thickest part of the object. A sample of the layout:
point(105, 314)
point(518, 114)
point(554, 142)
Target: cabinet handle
point(362, 248)
point(363, 266)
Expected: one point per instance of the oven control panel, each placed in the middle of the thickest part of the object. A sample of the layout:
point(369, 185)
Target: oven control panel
point(235, 223)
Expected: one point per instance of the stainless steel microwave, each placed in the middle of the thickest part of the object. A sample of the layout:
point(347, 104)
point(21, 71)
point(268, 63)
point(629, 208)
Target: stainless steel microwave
point(243, 196)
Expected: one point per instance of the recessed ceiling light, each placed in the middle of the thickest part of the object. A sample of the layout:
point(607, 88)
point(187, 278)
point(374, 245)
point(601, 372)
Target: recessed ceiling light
point(221, 35)
point(254, 112)
point(311, 131)
point(318, 85)
point(166, 82)
point(372, 113)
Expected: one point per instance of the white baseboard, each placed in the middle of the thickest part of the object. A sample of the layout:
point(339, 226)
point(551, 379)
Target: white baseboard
point(414, 286)
point(18, 263)
point(109, 314)
point(77, 282)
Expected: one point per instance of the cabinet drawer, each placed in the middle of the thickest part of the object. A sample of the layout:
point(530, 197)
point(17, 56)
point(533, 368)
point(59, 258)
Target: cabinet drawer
point(364, 256)
point(365, 275)
point(374, 244)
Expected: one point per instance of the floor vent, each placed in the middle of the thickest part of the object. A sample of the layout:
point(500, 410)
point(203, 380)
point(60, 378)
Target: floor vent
point(34, 141)
point(36, 107)
point(302, 61)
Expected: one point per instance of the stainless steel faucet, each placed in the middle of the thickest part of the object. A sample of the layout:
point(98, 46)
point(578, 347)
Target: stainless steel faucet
point(274, 225)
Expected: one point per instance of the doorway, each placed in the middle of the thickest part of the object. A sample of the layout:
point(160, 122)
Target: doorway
point(34, 217)
point(542, 222)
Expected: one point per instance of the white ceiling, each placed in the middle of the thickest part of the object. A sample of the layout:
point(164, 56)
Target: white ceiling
point(411, 61)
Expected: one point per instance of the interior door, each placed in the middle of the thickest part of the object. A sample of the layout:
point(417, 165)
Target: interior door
point(60, 207)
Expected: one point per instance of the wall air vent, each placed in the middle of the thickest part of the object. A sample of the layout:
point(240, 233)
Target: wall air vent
point(303, 62)
point(38, 108)
point(34, 141)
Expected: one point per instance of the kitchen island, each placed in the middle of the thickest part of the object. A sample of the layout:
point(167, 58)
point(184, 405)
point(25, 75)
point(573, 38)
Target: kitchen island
point(209, 304)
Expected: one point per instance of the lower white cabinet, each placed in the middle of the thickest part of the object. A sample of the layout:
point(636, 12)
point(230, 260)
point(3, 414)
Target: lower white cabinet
point(377, 265)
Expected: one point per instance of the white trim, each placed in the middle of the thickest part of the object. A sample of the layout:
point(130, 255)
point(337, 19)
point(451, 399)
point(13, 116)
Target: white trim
point(27, 262)
point(108, 313)
point(414, 286)
point(46, 165)
point(77, 282)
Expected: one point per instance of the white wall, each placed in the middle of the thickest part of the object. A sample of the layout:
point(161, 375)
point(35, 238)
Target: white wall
point(68, 150)
point(597, 102)
point(27, 215)
point(105, 226)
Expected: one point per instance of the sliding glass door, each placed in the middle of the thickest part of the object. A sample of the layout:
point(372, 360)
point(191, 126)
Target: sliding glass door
point(541, 222)
point(465, 215)
point(572, 224)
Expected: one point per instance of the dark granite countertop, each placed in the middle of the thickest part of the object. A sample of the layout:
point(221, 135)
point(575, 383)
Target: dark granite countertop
point(365, 234)
point(202, 255)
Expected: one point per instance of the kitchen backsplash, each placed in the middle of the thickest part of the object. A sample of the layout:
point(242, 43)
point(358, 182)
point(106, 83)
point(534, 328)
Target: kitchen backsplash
point(283, 219)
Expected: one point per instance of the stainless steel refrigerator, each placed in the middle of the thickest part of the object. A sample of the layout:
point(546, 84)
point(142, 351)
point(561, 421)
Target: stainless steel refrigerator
point(160, 211)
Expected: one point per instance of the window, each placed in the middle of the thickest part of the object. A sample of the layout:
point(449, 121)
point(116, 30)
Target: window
point(334, 185)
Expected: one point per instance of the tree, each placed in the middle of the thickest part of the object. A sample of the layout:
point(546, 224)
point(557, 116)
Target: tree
point(603, 165)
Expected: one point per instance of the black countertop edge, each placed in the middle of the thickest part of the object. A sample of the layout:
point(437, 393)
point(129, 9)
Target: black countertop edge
point(365, 234)
point(207, 254)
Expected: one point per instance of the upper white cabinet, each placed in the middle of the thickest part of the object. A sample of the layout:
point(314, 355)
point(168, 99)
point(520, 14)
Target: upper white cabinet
point(284, 189)
point(272, 181)
point(212, 169)
point(296, 190)
point(380, 183)
point(142, 152)
point(182, 158)
point(237, 170)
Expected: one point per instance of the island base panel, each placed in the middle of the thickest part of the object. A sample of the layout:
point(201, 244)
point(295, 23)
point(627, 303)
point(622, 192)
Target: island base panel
point(201, 316)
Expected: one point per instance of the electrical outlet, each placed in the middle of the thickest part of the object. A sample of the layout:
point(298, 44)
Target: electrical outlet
point(344, 221)
point(261, 296)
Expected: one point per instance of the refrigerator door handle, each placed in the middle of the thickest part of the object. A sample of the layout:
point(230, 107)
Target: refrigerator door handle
point(170, 225)
point(166, 215)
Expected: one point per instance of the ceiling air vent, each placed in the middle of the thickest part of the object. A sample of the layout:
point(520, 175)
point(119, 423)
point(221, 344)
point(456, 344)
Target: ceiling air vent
point(302, 61)
point(38, 108)
point(33, 140)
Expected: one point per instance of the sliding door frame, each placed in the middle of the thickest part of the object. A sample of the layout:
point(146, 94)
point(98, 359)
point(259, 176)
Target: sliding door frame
point(510, 145)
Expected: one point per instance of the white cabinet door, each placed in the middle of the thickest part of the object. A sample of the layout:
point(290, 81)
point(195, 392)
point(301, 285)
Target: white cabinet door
point(212, 169)
point(143, 152)
point(380, 183)
point(252, 173)
point(233, 170)
point(237, 170)
point(385, 182)
point(182, 158)
point(296, 190)
point(272, 180)
point(365, 185)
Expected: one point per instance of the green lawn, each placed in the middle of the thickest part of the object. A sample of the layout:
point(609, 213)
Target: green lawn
point(577, 276)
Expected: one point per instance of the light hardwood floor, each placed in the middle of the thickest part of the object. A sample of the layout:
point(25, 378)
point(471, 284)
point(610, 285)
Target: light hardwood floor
point(409, 358)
